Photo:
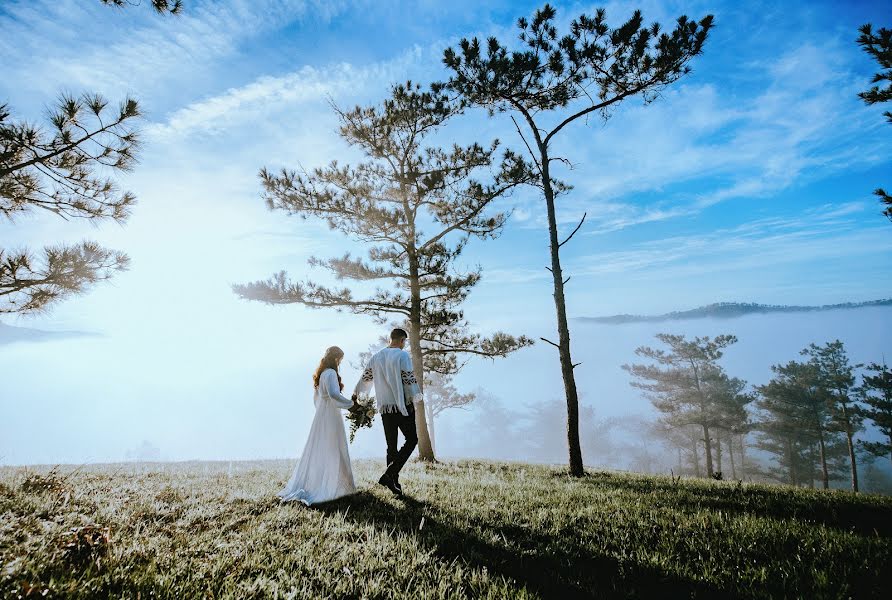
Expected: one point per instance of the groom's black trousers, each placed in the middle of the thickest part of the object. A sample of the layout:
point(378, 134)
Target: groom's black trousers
point(394, 422)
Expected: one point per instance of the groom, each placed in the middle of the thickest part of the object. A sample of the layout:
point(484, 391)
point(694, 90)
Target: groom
point(390, 369)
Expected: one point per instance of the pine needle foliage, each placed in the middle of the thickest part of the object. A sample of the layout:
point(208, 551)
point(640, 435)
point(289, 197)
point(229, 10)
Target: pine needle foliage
point(162, 7)
point(63, 169)
point(879, 46)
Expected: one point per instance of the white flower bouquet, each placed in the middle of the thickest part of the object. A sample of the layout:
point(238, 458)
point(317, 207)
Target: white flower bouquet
point(362, 415)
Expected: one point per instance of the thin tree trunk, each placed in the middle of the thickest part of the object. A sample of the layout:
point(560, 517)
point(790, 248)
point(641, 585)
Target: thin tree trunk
point(708, 445)
point(743, 456)
point(425, 448)
point(848, 424)
point(718, 452)
point(825, 476)
point(573, 445)
point(431, 426)
point(696, 455)
point(811, 467)
point(731, 456)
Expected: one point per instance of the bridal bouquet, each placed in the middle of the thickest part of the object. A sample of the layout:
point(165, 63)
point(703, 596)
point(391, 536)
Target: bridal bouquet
point(362, 415)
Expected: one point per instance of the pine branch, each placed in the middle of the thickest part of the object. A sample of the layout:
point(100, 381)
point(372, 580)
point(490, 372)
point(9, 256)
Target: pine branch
point(581, 221)
point(29, 286)
point(279, 290)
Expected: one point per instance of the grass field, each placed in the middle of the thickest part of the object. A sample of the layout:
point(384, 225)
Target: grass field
point(467, 529)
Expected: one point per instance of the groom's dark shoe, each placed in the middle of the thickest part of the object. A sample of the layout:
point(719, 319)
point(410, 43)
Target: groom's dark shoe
point(391, 485)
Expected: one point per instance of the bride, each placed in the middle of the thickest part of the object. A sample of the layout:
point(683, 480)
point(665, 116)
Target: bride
point(324, 472)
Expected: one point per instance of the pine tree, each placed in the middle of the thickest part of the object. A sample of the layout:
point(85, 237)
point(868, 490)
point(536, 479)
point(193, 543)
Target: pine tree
point(686, 384)
point(57, 171)
point(589, 70)
point(876, 393)
point(879, 46)
point(416, 207)
point(798, 405)
point(837, 378)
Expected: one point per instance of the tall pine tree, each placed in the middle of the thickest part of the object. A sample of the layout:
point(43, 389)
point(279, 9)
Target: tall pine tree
point(732, 421)
point(555, 81)
point(416, 207)
point(687, 385)
point(837, 378)
point(797, 404)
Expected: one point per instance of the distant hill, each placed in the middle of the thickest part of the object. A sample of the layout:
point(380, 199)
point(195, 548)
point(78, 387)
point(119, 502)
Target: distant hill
point(10, 334)
point(728, 310)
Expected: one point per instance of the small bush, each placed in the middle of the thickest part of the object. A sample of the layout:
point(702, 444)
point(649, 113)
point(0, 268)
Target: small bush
point(36, 483)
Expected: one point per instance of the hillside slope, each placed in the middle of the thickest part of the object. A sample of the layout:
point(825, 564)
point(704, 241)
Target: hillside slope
point(468, 529)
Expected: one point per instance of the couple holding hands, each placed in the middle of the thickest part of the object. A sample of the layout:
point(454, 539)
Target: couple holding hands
point(324, 471)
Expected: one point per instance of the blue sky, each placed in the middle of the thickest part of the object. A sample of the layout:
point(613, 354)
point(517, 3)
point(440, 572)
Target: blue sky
point(749, 180)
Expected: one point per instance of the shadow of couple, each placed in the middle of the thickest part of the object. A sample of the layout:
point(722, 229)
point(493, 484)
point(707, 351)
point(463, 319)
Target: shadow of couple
point(556, 565)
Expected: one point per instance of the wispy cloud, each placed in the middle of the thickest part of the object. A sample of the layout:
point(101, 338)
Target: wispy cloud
point(825, 231)
point(267, 94)
point(49, 45)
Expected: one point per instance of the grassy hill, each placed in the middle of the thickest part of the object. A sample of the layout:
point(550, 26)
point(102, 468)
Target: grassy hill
point(467, 529)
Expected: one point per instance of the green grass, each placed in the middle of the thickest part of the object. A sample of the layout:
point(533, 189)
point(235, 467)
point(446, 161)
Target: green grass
point(467, 529)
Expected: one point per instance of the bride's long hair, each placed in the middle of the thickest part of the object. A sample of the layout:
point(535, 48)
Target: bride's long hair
point(329, 361)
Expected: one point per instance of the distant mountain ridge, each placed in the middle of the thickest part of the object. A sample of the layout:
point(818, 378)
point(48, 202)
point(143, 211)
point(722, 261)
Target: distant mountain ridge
point(10, 334)
point(729, 310)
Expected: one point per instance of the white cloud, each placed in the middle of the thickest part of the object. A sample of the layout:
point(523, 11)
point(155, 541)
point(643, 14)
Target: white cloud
point(267, 94)
point(84, 45)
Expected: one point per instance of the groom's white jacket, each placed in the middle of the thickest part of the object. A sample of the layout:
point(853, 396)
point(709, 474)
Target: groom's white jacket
point(390, 370)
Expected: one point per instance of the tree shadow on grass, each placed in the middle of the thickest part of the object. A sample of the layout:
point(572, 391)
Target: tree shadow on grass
point(554, 566)
point(837, 510)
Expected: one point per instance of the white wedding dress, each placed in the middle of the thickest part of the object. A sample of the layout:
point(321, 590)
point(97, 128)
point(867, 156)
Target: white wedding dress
point(324, 472)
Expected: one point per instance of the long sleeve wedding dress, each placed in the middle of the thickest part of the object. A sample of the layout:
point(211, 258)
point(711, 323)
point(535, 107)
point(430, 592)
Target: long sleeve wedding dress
point(324, 471)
